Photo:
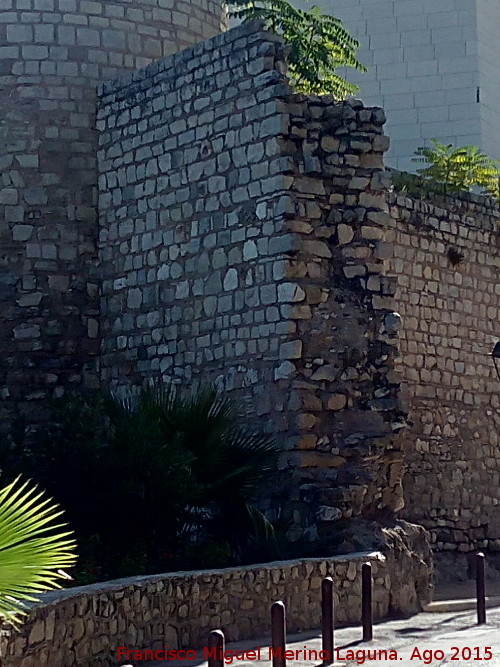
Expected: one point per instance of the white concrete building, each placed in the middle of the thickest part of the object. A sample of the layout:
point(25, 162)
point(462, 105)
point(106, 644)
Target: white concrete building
point(433, 65)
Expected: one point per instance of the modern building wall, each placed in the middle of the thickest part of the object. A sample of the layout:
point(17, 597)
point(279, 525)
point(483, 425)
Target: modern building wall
point(429, 62)
point(53, 53)
point(488, 22)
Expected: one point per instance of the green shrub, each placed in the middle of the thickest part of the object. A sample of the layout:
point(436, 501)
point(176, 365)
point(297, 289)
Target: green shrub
point(458, 169)
point(319, 44)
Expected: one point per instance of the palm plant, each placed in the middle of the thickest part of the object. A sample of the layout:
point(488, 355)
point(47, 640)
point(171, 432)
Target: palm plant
point(458, 169)
point(319, 44)
point(169, 479)
point(33, 551)
point(193, 458)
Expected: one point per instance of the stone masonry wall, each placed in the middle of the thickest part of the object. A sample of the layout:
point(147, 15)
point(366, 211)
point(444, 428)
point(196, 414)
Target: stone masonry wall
point(242, 240)
point(85, 626)
point(53, 53)
point(446, 260)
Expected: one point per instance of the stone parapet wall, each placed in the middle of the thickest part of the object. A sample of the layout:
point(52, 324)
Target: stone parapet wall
point(84, 627)
point(53, 53)
point(446, 261)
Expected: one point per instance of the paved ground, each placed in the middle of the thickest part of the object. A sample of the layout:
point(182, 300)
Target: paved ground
point(462, 596)
point(426, 639)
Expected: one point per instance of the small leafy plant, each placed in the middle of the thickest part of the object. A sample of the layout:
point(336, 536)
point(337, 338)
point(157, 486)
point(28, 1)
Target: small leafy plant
point(458, 169)
point(319, 44)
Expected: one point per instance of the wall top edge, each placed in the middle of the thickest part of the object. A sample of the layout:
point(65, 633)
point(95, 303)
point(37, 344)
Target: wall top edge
point(464, 199)
point(252, 30)
point(144, 580)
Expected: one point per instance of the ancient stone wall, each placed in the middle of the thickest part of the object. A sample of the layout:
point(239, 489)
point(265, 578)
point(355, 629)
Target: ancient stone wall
point(247, 237)
point(242, 240)
point(447, 264)
point(84, 627)
point(53, 53)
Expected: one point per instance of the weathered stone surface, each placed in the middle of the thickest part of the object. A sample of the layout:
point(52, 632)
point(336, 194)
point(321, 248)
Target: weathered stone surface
point(345, 234)
point(53, 57)
point(247, 237)
point(258, 279)
point(447, 331)
point(337, 402)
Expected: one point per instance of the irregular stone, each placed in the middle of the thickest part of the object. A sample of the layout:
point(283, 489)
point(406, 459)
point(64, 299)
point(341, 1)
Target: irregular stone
point(27, 331)
point(30, 299)
point(392, 323)
point(325, 513)
point(337, 402)
point(345, 234)
point(231, 280)
point(291, 350)
point(354, 271)
point(372, 233)
point(327, 372)
point(290, 293)
point(250, 250)
point(285, 371)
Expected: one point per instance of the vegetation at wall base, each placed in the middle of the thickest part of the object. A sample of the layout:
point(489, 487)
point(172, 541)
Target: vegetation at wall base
point(455, 170)
point(319, 44)
point(158, 482)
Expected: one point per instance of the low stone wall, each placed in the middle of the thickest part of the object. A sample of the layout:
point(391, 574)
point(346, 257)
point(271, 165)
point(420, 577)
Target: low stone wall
point(85, 626)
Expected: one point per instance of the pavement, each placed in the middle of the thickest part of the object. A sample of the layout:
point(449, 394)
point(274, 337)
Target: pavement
point(448, 637)
point(462, 596)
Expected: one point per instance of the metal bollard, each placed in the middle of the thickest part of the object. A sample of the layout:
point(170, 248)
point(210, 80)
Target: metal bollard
point(217, 646)
point(278, 634)
point(366, 602)
point(327, 619)
point(480, 590)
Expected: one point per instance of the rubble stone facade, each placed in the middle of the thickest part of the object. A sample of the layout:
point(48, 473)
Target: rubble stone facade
point(53, 53)
point(446, 262)
point(242, 240)
point(248, 236)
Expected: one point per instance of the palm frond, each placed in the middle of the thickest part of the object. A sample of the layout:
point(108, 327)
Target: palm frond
point(33, 550)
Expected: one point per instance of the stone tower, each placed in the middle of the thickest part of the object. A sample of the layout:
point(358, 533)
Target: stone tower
point(53, 54)
point(432, 65)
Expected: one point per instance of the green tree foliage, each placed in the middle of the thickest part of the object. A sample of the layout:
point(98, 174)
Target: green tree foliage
point(319, 44)
point(33, 550)
point(458, 169)
point(152, 483)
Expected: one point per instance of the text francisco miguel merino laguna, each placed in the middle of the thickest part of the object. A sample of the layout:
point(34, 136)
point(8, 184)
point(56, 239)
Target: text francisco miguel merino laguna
point(360, 656)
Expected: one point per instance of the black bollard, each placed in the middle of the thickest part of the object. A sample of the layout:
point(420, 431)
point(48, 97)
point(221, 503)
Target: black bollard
point(366, 602)
point(217, 646)
point(480, 590)
point(278, 634)
point(327, 619)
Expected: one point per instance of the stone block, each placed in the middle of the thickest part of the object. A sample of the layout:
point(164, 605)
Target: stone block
point(337, 402)
point(291, 350)
point(345, 234)
point(290, 293)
